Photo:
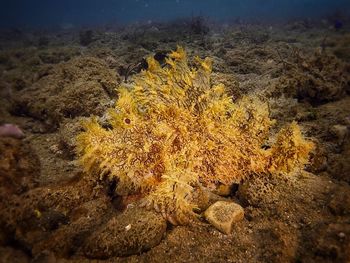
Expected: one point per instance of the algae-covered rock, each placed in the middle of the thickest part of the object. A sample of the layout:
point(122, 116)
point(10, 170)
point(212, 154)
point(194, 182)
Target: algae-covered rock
point(73, 230)
point(257, 191)
point(319, 79)
point(19, 167)
point(340, 132)
point(68, 131)
point(327, 242)
point(11, 255)
point(339, 203)
point(79, 87)
point(132, 232)
point(54, 217)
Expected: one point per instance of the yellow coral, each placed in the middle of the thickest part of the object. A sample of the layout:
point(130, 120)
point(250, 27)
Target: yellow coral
point(174, 133)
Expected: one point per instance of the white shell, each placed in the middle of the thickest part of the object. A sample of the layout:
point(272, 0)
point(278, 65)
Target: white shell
point(128, 227)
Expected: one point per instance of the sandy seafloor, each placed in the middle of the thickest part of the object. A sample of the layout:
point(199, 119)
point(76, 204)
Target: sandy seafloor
point(50, 81)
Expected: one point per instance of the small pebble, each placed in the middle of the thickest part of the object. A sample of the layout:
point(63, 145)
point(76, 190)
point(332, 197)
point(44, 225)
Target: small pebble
point(341, 235)
point(222, 215)
point(128, 227)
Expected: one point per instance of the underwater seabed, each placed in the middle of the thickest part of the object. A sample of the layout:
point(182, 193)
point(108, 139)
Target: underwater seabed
point(285, 104)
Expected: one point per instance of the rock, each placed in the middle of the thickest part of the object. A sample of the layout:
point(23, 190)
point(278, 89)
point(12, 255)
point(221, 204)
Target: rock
point(340, 132)
point(86, 37)
point(223, 214)
point(223, 190)
point(11, 255)
point(206, 198)
point(69, 129)
point(19, 167)
point(257, 191)
point(45, 257)
point(11, 130)
point(134, 231)
point(317, 79)
point(83, 86)
point(324, 244)
point(339, 203)
point(279, 241)
point(318, 160)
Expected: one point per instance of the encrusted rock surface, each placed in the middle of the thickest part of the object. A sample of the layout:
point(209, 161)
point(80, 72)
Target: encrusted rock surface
point(132, 232)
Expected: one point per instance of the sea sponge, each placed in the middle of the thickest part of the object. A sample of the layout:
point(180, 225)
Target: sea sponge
point(172, 133)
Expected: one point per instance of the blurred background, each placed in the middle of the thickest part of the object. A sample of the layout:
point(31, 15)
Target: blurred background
point(77, 13)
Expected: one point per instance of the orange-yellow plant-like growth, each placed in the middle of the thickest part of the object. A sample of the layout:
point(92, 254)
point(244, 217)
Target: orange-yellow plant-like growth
point(173, 133)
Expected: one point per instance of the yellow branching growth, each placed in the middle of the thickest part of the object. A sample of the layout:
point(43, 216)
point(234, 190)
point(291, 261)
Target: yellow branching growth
point(289, 151)
point(174, 133)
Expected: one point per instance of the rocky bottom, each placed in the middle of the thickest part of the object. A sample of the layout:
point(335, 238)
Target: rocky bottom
point(52, 212)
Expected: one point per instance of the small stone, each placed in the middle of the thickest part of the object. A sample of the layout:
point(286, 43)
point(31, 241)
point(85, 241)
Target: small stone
point(223, 214)
point(223, 190)
point(295, 226)
point(341, 235)
point(11, 130)
point(45, 256)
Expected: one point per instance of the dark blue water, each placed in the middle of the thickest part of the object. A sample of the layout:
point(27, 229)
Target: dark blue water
point(43, 13)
